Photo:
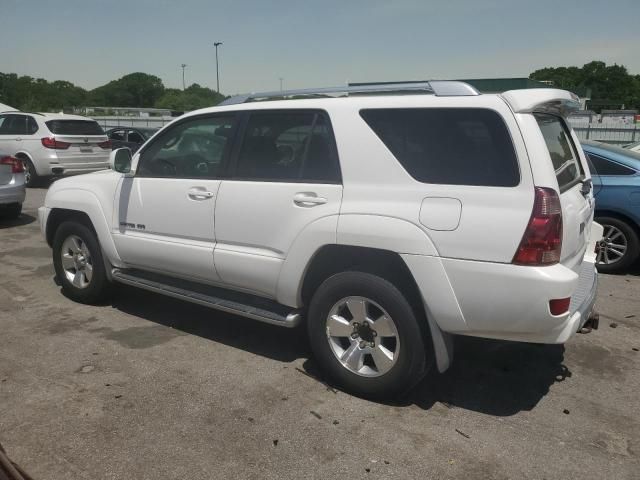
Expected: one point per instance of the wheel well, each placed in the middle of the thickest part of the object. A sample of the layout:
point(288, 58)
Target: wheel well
point(332, 259)
point(60, 215)
point(624, 218)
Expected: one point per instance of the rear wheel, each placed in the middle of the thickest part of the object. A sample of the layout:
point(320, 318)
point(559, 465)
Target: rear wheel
point(31, 178)
point(78, 262)
point(619, 247)
point(366, 336)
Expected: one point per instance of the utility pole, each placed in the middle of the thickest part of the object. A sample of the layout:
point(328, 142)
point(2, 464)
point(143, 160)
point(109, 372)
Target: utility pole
point(217, 44)
point(184, 65)
point(281, 80)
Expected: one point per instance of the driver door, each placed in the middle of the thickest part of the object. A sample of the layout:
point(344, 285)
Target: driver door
point(164, 218)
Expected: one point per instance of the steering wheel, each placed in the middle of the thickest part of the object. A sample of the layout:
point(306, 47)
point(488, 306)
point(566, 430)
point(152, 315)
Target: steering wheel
point(165, 167)
point(196, 164)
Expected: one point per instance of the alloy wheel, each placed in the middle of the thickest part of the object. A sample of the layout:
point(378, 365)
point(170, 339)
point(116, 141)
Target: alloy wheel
point(613, 246)
point(362, 336)
point(76, 261)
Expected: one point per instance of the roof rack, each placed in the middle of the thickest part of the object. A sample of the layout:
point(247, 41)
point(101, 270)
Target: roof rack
point(441, 88)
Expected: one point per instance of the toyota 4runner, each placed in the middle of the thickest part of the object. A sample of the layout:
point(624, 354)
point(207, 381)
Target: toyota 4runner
point(387, 218)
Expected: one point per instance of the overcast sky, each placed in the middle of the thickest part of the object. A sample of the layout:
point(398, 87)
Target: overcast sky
point(311, 43)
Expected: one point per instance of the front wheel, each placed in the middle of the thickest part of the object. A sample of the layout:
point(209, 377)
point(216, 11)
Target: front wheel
point(79, 265)
point(619, 248)
point(366, 337)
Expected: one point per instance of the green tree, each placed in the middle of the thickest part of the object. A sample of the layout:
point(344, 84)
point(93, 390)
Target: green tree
point(133, 90)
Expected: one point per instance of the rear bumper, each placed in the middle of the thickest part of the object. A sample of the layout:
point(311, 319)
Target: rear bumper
point(503, 301)
point(77, 168)
point(12, 193)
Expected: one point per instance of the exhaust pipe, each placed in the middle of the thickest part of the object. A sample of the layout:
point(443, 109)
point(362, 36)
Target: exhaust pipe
point(592, 323)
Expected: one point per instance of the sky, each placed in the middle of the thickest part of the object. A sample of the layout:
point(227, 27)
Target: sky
point(311, 43)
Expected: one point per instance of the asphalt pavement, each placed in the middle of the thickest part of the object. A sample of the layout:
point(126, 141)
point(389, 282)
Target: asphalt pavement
point(147, 387)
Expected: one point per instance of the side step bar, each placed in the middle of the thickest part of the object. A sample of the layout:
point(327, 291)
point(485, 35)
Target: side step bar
point(238, 304)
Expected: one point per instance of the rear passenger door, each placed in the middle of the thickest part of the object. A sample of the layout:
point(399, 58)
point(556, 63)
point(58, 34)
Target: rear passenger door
point(284, 176)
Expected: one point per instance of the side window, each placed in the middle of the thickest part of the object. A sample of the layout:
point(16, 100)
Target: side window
point(602, 166)
point(32, 125)
point(135, 137)
point(4, 123)
point(561, 149)
point(288, 146)
point(117, 135)
point(14, 125)
point(194, 148)
point(451, 146)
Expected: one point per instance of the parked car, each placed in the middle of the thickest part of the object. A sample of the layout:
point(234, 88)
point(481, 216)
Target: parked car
point(634, 147)
point(12, 188)
point(54, 144)
point(616, 177)
point(387, 221)
point(130, 137)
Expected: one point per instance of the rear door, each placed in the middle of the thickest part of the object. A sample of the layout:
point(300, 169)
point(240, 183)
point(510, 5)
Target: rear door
point(285, 176)
point(13, 128)
point(86, 139)
point(576, 192)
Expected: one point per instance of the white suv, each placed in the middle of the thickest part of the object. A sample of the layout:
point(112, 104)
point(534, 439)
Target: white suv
point(385, 217)
point(54, 144)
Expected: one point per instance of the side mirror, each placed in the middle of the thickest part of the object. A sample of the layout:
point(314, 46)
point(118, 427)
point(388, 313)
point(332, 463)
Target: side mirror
point(120, 160)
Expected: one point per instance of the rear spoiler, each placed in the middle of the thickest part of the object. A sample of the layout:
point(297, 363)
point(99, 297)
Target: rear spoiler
point(546, 100)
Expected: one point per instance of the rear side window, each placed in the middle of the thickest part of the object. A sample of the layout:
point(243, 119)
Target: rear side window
point(288, 146)
point(561, 149)
point(74, 127)
point(602, 166)
point(453, 146)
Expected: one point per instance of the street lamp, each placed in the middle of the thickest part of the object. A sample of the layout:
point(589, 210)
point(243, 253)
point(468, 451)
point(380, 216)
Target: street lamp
point(281, 80)
point(184, 65)
point(217, 44)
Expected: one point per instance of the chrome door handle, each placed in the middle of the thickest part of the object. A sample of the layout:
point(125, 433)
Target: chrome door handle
point(308, 199)
point(18, 139)
point(199, 193)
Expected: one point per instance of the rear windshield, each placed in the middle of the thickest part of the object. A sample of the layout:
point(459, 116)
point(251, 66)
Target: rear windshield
point(561, 149)
point(452, 146)
point(74, 127)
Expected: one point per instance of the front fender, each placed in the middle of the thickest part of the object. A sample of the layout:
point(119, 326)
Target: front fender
point(85, 201)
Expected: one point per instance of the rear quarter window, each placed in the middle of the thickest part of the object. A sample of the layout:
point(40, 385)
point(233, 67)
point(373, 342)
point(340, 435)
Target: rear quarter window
point(561, 149)
point(454, 146)
point(74, 127)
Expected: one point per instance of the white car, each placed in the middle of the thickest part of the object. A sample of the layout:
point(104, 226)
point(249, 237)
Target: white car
point(51, 144)
point(387, 218)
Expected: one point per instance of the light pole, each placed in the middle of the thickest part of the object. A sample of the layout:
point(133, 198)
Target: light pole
point(217, 44)
point(281, 80)
point(184, 65)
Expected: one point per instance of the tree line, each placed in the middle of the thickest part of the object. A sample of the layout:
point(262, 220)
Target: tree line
point(607, 85)
point(138, 90)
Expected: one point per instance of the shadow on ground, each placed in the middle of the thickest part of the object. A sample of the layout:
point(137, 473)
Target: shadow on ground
point(23, 219)
point(488, 376)
point(276, 343)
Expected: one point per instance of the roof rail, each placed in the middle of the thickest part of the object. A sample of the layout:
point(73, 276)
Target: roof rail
point(442, 88)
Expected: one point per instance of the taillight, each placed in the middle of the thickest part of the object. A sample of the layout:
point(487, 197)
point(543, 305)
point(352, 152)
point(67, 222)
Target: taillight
point(106, 145)
point(50, 142)
point(542, 240)
point(16, 165)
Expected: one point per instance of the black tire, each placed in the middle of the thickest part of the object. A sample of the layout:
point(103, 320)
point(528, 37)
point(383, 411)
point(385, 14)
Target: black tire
point(632, 242)
point(12, 211)
point(31, 177)
point(99, 287)
point(415, 355)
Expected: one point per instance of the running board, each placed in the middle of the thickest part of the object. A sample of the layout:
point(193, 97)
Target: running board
point(245, 305)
